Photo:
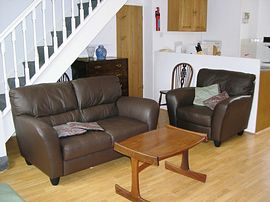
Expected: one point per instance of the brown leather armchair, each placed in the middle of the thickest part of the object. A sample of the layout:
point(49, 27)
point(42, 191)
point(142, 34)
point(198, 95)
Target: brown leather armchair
point(229, 117)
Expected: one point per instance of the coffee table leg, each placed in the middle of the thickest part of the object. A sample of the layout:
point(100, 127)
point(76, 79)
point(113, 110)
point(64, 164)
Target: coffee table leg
point(184, 168)
point(134, 195)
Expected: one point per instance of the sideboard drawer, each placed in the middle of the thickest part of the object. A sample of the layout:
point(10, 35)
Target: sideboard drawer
point(83, 67)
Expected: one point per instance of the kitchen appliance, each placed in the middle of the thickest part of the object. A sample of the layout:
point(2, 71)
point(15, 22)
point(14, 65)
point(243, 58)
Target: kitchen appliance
point(263, 50)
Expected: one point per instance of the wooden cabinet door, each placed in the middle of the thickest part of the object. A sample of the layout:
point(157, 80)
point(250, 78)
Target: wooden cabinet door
point(200, 15)
point(187, 15)
point(129, 45)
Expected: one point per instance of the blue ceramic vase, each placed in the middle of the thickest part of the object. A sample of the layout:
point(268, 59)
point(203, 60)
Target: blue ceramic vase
point(101, 52)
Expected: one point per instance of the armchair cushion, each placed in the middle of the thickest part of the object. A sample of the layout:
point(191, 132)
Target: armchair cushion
point(195, 114)
point(204, 93)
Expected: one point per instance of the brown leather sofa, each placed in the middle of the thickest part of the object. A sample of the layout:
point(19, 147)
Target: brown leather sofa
point(36, 109)
point(229, 117)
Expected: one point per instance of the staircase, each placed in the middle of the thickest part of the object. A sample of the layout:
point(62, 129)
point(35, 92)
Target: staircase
point(73, 28)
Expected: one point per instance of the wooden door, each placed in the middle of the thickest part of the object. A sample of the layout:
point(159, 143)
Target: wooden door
point(130, 45)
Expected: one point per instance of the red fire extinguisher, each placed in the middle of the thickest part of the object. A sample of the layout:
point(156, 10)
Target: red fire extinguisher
point(157, 15)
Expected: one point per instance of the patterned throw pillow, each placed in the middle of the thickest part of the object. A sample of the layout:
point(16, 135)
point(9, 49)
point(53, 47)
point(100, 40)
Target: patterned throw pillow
point(203, 93)
point(65, 130)
point(213, 101)
point(86, 125)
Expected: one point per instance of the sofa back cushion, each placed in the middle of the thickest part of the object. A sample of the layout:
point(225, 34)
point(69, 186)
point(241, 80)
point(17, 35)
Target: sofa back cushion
point(234, 83)
point(97, 96)
point(54, 103)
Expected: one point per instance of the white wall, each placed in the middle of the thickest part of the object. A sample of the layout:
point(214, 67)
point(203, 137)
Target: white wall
point(249, 30)
point(164, 63)
point(263, 19)
point(9, 10)
point(102, 38)
point(223, 23)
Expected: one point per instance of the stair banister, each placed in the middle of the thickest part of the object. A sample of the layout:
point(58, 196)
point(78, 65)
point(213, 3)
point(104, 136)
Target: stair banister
point(3, 51)
point(81, 12)
point(46, 54)
point(72, 17)
point(55, 40)
point(64, 21)
point(26, 69)
point(35, 40)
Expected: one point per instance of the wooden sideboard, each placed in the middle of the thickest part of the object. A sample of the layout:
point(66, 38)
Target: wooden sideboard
point(85, 67)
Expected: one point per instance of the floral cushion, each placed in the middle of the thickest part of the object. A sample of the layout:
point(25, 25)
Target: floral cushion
point(86, 125)
point(213, 101)
point(65, 130)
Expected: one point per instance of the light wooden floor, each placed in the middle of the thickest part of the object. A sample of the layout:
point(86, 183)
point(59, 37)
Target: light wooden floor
point(237, 171)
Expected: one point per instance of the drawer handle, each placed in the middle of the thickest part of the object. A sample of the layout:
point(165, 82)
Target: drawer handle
point(118, 75)
point(97, 67)
point(118, 65)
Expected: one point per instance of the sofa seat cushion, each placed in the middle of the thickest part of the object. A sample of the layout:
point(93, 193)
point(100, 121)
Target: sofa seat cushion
point(81, 145)
point(121, 128)
point(200, 115)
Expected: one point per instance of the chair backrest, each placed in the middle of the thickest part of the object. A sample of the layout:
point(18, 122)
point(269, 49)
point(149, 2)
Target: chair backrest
point(181, 75)
point(234, 83)
point(64, 78)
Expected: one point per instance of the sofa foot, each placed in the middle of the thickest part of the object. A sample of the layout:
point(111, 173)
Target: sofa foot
point(28, 162)
point(217, 143)
point(55, 181)
point(240, 133)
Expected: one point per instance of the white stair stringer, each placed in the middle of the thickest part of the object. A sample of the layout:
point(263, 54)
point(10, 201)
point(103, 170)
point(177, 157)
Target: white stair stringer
point(61, 60)
point(77, 42)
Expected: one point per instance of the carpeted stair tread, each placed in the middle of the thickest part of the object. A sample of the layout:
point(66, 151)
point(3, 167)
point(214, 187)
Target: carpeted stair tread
point(86, 7)
point(68, 23)
point(41, 53)
point(2, 102)
point(11, 82)
point(31, 66)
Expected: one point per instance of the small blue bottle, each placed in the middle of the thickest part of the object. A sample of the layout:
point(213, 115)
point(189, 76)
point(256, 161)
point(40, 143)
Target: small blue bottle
point(101, 52)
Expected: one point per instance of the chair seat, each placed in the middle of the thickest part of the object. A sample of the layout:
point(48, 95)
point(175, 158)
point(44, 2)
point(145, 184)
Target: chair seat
point(195, 114)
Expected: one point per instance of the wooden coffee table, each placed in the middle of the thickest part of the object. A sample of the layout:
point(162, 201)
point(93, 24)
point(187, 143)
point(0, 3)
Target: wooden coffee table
point(151, 147)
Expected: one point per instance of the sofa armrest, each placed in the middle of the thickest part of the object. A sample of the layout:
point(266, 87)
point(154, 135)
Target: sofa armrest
point(142, 109)
point(176, 98)
point(231, 116)
point(39, 144)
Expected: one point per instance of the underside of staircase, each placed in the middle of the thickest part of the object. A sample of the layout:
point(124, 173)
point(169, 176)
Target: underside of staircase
point(61, 56)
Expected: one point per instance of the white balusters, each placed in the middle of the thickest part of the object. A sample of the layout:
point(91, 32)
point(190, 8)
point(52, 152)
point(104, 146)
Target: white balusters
point(35, 41)
point(3, 51)
point(26, 68)
point(72, 17)
point(17, 82)
point(55, 40)
point(64, 21)
point(90, 7)
point(46, 55)
point(81, 12)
